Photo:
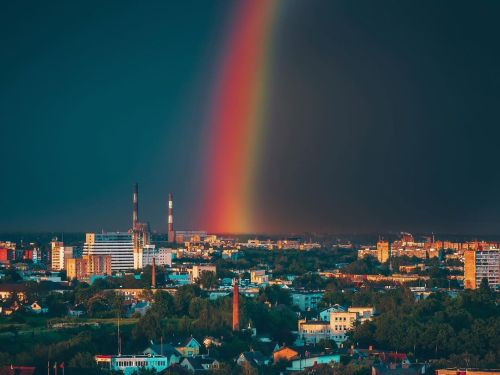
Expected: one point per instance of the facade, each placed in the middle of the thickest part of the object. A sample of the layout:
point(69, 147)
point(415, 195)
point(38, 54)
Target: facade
point(163, 257)
point(188, 347)
point(132, 363)
point(336, 327)
point(479, 264)
point(58, 254)
point(306, 300)
point(195, 272)
point(259, 277)
point(383, 251)
point(118, 245)
point(88, 265)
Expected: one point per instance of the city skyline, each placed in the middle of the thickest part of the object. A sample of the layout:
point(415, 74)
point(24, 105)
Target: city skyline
point(354, 119)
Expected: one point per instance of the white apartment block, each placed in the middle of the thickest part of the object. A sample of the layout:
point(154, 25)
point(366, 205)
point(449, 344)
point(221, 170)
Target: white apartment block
point(59, 254)
point(163, 257)
point(336, 327)
point(117, 244)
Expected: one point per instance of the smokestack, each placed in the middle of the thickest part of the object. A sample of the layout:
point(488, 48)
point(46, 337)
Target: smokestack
point(236, 307)
point(170, 226)
point(153, 274)
point(135, 209)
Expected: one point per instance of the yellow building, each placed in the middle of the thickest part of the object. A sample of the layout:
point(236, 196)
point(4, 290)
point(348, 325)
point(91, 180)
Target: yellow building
point(383, 251)
point(480, 264)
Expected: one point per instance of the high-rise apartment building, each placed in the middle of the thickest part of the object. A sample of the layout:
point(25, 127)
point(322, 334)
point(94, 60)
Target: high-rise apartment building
point(88, 265)
point(383, 251)
point(59, 254)
point(479, 264)
point(118, 245)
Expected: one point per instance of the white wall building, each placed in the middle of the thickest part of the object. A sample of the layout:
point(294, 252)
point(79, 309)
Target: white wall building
point(117, 244)
point(336, 327)
point(59, 254)
point(132, 363)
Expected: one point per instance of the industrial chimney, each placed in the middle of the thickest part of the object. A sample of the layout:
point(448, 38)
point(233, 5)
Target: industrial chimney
point(170, 227)
point(153, 274)
point(236, 307)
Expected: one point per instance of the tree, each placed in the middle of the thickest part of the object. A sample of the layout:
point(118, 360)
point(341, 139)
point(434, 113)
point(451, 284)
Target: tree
point(82, 360)
point(163, 303)
point(207, 280)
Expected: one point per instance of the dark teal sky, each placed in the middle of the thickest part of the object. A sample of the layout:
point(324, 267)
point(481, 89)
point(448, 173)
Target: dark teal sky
point(382, 115)
point(95, 96)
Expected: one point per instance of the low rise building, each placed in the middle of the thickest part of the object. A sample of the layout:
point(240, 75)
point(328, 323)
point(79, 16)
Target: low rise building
point(259, 277)
point(130, 364)
point(335, 327)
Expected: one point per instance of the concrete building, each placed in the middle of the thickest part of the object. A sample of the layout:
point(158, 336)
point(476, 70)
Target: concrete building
point(479, 264)
point(259, 277)
point(196, 270)
point(88, 265)
point(306, 300)
point(130, 364)
point(383, 251)
point(163, 256)
point(59, 254)
point(336, 327)
point(118, 245)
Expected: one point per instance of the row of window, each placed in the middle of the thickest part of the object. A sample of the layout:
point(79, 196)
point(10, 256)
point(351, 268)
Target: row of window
point(140, 363)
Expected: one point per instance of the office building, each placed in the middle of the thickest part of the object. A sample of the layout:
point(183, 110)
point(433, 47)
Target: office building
point(118, 245)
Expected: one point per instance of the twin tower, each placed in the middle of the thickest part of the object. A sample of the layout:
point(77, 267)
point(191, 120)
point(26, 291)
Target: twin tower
point(142, 229)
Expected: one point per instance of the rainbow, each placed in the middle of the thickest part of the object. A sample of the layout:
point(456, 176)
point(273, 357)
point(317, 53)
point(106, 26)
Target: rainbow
point(236, 120)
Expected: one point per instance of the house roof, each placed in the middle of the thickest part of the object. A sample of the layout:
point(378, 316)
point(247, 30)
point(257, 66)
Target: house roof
point(254, 357)
point(166, 349)
point(198, 362)
point(182, 342)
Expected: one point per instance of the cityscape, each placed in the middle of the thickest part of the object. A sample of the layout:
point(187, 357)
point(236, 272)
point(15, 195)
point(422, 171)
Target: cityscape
point(250, 187)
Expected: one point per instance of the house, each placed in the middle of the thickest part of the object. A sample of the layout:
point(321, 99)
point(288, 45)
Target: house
point(303, 363)
point(284, 354)
point(199, 364)
point(252, 358)
point(188, 347)
point(165, 350)
point(36, 308)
